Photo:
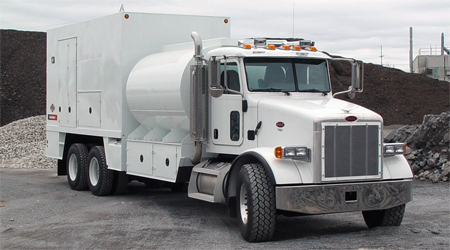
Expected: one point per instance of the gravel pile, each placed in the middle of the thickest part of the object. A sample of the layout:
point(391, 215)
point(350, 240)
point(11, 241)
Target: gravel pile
point(428, 147)
point(23, 144)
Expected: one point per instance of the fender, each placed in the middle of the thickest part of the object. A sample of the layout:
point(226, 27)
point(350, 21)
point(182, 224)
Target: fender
point(280, 171)
point(396, 167)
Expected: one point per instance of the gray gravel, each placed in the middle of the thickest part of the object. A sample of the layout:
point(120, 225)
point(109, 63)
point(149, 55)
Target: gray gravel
point(23, 144)
point(38, 210)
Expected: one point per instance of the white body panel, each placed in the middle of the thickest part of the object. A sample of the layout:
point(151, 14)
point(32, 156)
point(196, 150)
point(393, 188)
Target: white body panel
point(88, 65)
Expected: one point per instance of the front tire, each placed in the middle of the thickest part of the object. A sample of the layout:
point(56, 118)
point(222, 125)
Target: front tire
point(100, 178)
point(256, 203)
point(387, 217)
point(76, 165)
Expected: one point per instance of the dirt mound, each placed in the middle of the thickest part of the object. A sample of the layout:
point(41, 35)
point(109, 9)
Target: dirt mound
point(401, 98)
point(22, 78)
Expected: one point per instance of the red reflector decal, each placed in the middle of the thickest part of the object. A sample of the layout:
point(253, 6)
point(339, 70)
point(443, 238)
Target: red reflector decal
point(53, 117)
point(280, 124)
point(351, 118)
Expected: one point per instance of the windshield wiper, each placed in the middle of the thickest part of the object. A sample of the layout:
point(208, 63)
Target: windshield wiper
point(315, 91)
point(286, 92)
point(268, 90)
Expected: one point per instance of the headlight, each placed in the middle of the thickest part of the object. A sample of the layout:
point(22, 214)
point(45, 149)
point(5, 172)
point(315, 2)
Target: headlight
point(298, 153)
point(394, 149)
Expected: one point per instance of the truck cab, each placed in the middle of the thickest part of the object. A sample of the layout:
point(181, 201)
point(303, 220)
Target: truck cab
point(273, 114)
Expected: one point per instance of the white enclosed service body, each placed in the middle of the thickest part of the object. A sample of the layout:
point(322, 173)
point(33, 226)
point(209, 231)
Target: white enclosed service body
point(252, 124)
point(87, 72)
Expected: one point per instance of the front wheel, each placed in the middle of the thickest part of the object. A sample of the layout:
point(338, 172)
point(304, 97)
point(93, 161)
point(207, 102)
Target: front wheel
point(100, 178)
point(387, 217)
point(256, 203)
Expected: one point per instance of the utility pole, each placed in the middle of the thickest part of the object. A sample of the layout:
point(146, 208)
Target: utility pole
point(381, 56)
point(293, 19)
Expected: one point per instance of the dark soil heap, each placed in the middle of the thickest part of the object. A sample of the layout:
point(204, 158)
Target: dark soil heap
point(401, 98)
point(22, 75)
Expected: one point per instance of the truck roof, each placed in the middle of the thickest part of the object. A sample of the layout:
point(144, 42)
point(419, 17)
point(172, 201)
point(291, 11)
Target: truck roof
point(265, 52)
point(270, 47)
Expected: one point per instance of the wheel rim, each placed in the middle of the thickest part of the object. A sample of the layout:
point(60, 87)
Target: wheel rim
point(94, 171)
point(243, 204)
point(73, 167)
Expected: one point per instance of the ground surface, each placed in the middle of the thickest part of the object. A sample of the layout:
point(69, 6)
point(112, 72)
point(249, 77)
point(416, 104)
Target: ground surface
point(39, 211)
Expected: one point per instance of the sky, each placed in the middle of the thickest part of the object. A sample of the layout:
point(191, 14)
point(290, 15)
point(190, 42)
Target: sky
point(360, 29)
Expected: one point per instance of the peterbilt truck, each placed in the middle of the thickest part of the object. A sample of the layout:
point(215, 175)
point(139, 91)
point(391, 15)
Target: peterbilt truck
point(252, 124)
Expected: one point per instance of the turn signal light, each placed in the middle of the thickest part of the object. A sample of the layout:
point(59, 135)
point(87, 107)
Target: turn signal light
point(278, 152)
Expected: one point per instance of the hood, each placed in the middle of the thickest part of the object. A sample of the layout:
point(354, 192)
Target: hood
point(292, 118)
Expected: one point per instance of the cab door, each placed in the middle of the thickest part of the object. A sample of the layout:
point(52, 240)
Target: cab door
point(226, 118)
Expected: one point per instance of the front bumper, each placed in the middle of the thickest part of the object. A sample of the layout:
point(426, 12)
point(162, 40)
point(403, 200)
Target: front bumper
point(344, 197)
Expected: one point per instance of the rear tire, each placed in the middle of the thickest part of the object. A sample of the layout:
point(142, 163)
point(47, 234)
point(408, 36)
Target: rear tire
point(120, 183)
point(387, 217)
point(76, 165)
point(100, 178)
point(256, 203)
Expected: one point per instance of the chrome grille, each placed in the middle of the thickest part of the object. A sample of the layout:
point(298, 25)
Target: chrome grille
point(350, 152)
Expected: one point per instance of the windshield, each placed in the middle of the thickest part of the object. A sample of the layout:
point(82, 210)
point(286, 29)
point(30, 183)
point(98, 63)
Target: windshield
point(287, 75)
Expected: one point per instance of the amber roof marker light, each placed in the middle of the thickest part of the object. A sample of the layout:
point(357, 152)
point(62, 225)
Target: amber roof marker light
point(126, 16)
point(225, 20)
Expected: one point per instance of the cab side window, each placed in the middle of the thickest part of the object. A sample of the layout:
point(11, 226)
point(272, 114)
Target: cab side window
point(232, 77)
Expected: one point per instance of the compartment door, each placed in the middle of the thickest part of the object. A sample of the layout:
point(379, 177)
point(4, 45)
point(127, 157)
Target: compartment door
point(66, 61)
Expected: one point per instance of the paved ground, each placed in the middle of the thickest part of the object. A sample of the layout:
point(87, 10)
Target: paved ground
point(39, 211)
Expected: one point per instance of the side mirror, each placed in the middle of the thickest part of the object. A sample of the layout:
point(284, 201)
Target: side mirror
point(215, 89)
point(357, 75)
point(357, 81)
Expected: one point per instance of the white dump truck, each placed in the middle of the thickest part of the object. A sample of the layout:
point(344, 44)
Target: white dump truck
point(250, 123)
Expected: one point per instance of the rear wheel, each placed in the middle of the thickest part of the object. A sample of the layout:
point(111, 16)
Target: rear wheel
point(256, 203)
point(387, 217)
point(100, 178)
point(77, 166)
point(120, 183)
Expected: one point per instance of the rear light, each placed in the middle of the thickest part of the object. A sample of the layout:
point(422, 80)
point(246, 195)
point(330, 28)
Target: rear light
point(52, 117)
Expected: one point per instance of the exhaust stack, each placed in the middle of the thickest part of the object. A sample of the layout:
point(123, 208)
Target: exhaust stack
point(199, 100)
